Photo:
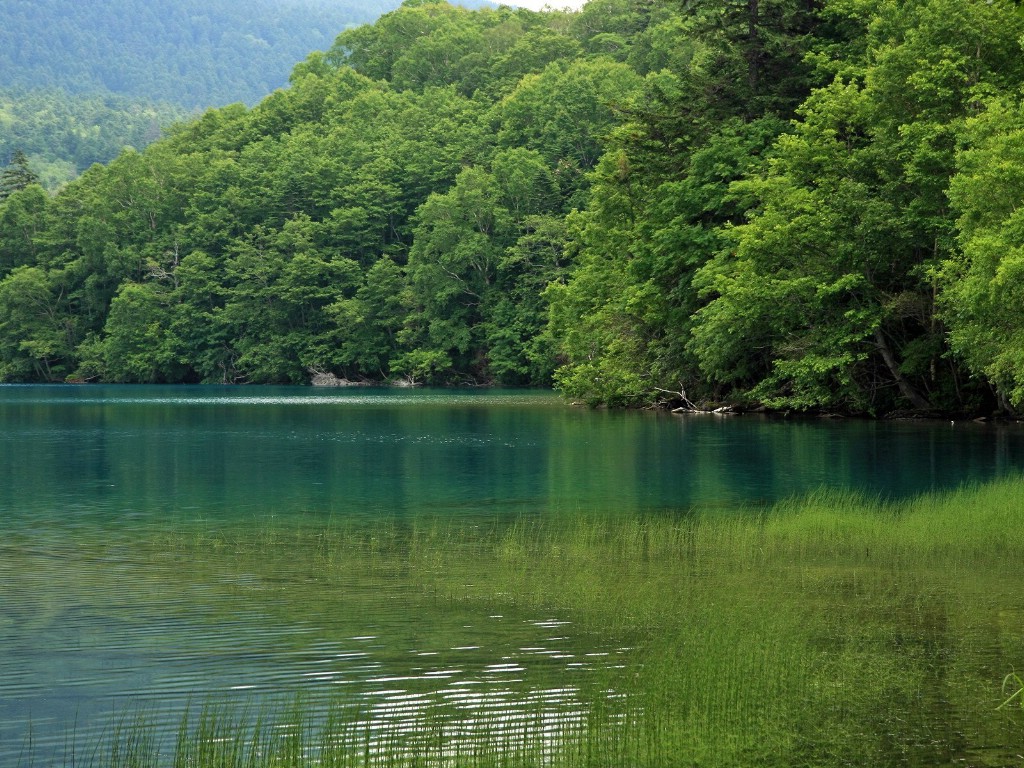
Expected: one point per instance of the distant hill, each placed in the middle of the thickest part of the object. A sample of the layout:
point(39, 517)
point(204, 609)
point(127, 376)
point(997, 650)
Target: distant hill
point(194, 53)
point(82, 80)
point(63, 134)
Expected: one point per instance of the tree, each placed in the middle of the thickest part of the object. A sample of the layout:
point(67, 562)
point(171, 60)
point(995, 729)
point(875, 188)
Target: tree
point(369, 322)
point(519, 348)
point(37, 332)
point(453, 266)
point(16, 176)
point(23, 219)
point(564, 114)
point(983, 283)
point(721, 76)
point(138, 345)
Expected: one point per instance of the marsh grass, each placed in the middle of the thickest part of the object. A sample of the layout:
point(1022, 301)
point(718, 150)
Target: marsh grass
point(340, 735)
point(826, 630)
point(1014, 686)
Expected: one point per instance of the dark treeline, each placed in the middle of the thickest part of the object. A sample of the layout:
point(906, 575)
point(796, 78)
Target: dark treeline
point(809, 205)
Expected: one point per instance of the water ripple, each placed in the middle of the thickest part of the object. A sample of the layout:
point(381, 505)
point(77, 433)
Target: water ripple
point(93, 620)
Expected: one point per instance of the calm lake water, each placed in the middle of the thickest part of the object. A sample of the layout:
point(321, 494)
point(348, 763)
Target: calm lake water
point(101, 607)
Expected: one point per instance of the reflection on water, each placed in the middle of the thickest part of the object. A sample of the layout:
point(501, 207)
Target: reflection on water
point(103, 600)
point(216, 451)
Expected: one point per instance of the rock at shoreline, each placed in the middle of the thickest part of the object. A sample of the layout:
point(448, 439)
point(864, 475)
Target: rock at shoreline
point(322, 379)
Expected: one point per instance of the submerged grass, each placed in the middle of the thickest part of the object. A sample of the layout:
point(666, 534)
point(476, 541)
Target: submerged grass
point(830, 630)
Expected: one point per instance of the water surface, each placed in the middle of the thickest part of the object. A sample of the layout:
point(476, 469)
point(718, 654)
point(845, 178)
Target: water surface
point(140, 451)
point(103, 601)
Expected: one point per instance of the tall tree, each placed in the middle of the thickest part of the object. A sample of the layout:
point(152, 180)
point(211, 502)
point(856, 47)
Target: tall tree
point(661, 194)
point(16, 176)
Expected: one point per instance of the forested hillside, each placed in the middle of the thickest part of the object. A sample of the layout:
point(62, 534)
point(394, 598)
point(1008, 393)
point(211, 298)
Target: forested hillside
point(64, 134)
point(807, 205)
point(193, 53)
point(82, 80)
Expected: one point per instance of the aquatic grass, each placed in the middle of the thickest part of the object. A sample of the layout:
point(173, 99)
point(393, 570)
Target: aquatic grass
point(826, 630)
point(288, 734)
point(1014, 686)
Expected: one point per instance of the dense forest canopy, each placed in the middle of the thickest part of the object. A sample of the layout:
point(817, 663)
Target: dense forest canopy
point(803, 204)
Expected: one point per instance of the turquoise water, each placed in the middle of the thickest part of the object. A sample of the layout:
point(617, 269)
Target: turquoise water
point(97, 614)
point(130, 452)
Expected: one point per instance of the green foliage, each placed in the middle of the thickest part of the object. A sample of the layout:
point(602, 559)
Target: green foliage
point(764, 202)
point(661, 196)
point(125, 70)
point(369, 323)
point(851, 218)
point(37, 334)
point(564, 113)
point(135, 347)
point(22, 221)
point(797, 271)
point(16, 176)
point(590, 315)
point(436, 44)
point(983, 284)
point(389, 215)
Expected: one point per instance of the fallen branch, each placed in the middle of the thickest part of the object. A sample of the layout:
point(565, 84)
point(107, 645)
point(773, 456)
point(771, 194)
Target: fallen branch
point(688, 404)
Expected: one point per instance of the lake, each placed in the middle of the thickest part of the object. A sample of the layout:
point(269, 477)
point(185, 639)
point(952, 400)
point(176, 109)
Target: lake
point(131, 574)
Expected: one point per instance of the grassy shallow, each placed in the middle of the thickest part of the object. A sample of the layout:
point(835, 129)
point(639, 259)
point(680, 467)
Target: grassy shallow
point(830, 630)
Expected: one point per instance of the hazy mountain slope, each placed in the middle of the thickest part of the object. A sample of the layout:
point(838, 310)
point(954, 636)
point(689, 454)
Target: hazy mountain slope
point(195, 53)
point(80, 81)
point(63, 134)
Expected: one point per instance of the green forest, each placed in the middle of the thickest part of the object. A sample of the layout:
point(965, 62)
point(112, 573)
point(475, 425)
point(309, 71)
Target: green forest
point(803, 205)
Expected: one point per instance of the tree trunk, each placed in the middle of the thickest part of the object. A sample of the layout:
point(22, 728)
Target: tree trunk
point(1004, 404)
point(753, 46)
point(906, 388)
